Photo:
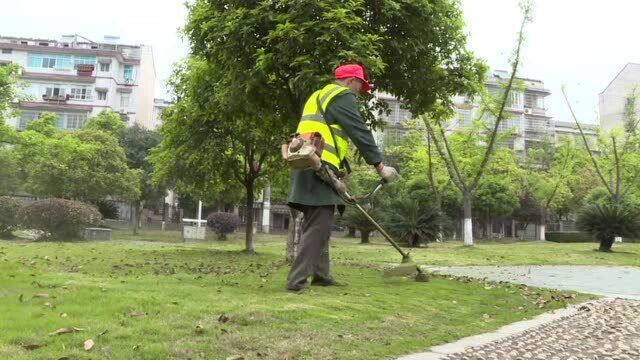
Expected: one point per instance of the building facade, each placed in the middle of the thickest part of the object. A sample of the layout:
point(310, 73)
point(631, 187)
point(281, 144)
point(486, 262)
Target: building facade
point(77, 78)
point(613, 99)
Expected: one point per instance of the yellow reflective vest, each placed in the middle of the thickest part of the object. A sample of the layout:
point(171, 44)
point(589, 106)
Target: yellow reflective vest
point(313, 120)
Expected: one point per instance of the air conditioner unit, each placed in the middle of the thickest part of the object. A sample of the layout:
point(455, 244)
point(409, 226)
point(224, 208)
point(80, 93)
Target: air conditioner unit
point(528, 111)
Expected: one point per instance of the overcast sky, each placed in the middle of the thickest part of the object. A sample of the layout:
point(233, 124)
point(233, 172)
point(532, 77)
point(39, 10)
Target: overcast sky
point(582, 44)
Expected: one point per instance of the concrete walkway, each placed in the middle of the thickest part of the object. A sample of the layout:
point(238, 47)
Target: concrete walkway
point(610, 281)
point(602, 329)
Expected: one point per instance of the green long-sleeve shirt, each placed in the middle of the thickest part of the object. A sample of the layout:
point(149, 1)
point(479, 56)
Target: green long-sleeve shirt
point(305, 187)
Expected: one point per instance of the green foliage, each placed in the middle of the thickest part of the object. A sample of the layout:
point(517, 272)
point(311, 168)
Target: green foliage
point(9, 91)
point(107, 121)
point(9, 208)
point(414, 222)
point(223, 223)
point(87, 164)
point(606, 221)
point(58, 219)
point(137, 143)
point(9, 171)
point(108, 209)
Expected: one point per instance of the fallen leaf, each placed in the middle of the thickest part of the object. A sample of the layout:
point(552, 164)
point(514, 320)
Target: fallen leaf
point(134, 313)
point(223, 318)
point(49, 305)
point(63, 315)
point(41, 295)
point(88, 345)
point(61, 331)
point(135, 347)
point(286, 356)
point(77, 329)
point(486, 317)
point(199, 329)
point(32, 346)
point(104, 333)
point(236, 357)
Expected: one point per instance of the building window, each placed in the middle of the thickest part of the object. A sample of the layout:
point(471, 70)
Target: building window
point(102, 95)
point(124, 102)
point(49, 61)
point(6, 51)
point(128, 72)
point(465, 118)
point(27, 117)
point(80, 93)
point(75, 121)
point(54, 91)
point(88, 60)
point(105, 67)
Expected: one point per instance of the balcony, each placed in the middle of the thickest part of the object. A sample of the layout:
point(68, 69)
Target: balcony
point(85, 69)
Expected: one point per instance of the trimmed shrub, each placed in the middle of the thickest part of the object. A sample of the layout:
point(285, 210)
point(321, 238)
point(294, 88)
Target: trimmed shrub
point(568, 237)
point(606, 221)
point(223, 223)
point(59, 219)
point(9, 208)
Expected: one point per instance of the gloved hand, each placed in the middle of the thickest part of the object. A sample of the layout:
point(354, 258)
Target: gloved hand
point(387, 173)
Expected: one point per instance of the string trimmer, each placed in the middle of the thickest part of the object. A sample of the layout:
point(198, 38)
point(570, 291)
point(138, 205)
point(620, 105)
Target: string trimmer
point(407, 266)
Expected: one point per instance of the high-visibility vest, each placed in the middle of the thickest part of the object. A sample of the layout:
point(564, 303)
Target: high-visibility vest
point(313, 121)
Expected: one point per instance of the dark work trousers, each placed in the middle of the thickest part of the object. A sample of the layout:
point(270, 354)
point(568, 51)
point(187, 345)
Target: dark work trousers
point(313, 251)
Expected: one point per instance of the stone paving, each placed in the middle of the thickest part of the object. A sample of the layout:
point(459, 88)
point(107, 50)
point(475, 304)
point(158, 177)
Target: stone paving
point(603, 329)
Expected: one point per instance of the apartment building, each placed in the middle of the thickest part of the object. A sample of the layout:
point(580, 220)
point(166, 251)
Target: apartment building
point(76, 78)
point(614, 98)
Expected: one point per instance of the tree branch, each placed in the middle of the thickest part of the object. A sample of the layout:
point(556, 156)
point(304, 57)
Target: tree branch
point(586, 144)
point(431, 134)
point(505, 98)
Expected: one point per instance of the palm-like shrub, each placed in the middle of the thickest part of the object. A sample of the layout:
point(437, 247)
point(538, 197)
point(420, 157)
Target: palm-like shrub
point(9, 208)
point(606, 221)
point(355, 218)
point(416, 222)
point(108, 209)
point(223, 223)
point(59, 219)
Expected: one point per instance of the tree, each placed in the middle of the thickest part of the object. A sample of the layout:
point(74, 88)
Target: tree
point(467, 181)
point(86, 164)
point(257, 63)
point(618, 157)
point(9, 86)
point(137, 142)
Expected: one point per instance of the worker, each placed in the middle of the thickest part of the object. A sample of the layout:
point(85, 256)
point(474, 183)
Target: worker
point(334, 113)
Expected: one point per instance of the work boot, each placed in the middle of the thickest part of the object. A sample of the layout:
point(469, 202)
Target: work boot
point(326, 282)
point(296, 289)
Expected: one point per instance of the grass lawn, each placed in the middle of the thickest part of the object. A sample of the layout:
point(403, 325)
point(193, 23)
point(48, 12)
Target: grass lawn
point(156, 300)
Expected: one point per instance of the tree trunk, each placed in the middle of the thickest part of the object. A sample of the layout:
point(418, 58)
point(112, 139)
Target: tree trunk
point(364, 237)
point(606, 243)
point(248, 248)
point(135, 216)
point(468, 224)
point(542, 228)
point(290, 253)
point(352, 232)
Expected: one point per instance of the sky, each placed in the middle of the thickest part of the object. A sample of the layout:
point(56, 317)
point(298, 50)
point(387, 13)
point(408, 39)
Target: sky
point(576, 43)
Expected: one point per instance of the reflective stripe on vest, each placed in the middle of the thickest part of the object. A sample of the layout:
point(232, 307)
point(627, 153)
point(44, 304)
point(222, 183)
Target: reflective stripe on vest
point(312, 121)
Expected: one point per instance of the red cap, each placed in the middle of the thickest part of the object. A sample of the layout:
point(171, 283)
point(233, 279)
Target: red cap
point(352, 70)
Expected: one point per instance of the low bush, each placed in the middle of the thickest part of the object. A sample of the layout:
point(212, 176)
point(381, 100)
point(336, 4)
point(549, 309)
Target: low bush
point(108, 209)
point(414, 222)
point(568, 237)
point(223, 223)
point(9, 208)
point(59, 219)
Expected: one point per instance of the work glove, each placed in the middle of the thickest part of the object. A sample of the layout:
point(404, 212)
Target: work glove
point(387, 173)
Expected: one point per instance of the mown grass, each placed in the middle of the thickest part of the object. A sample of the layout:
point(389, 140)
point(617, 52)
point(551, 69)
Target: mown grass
point(157, 300)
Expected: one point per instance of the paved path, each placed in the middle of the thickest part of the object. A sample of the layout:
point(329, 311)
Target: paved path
point(611, 281)
point(603, 329)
